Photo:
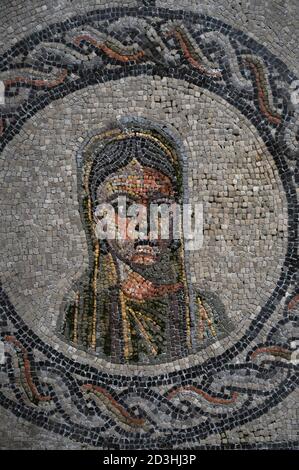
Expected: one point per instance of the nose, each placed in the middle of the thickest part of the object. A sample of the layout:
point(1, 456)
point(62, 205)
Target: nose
point(144, 234)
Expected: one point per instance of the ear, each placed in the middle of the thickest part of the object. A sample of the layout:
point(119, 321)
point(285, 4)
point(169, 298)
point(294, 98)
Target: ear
point(98, 212)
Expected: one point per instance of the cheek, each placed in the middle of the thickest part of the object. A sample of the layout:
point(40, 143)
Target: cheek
point(123, 247)
point(124, 228)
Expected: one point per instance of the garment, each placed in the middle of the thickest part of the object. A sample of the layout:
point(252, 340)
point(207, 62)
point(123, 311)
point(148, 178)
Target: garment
point(141, 331)
point(127, 330)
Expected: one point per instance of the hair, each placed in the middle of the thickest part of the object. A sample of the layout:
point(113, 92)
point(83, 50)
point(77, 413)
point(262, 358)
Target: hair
point(104, 156)
point(119, 152)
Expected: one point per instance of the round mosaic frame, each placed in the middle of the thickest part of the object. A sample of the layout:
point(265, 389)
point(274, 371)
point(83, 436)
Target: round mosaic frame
point(189, 47)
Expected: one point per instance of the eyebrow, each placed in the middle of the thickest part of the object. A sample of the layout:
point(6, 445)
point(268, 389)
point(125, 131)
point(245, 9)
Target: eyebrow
point(123, 188)
point(159, 194)
point(117, 194)
point(135, 198)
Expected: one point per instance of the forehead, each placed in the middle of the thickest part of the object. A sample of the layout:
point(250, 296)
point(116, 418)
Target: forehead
point(137, 180)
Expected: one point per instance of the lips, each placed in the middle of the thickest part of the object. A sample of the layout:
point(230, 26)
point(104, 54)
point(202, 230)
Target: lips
point(145, 254)
point(146, 250)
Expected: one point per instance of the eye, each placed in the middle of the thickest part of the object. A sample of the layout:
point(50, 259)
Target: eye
point(121, 208)
point(131, 205)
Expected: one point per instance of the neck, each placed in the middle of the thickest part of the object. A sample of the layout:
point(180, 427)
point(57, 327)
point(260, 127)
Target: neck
point(136, 286)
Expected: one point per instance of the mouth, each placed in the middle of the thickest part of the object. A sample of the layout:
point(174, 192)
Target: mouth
point(145, 254)
point(147, 250)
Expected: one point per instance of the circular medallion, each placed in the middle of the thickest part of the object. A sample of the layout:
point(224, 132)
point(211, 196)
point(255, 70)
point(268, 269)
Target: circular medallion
point(148, 343)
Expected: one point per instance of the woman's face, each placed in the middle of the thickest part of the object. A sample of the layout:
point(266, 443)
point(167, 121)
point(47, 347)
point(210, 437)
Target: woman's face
point(132, 191)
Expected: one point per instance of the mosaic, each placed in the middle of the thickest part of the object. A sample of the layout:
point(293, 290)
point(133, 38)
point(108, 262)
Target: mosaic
point(143, 283)
point(137, 343)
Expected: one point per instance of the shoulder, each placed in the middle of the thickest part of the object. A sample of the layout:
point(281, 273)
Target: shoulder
point(215, 309)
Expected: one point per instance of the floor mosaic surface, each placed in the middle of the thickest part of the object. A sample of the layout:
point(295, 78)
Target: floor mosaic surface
point(144, 344)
